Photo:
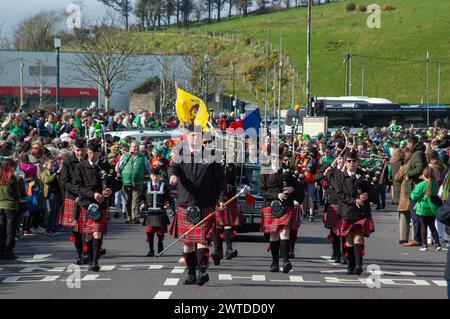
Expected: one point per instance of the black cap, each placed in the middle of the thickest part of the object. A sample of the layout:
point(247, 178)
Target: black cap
point(95, 145)
point(352, 154)
point(80, 142)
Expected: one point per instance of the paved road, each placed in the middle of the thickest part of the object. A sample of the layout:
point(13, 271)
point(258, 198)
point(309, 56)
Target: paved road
point(44, 271)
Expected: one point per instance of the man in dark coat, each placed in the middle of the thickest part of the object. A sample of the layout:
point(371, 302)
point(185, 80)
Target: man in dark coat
point(416, 165)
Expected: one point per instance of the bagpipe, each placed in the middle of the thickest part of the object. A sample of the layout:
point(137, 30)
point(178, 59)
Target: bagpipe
point(277, 206)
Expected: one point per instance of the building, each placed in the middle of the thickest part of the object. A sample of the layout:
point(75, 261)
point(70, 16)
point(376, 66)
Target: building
point(39, 79)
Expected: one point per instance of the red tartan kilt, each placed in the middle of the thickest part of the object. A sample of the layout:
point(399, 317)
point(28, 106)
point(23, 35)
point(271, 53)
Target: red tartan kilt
point(88, 227)
point(232, 216)
point(362, 226)
point(269, 224)
point(296, 218)
point(330, 219)
point(156, 229)
point(199, 235)
point(69, 214)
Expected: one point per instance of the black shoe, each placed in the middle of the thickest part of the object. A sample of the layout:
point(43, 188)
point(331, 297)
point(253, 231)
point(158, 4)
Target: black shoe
point(79, 260)
point(337, 259)
point(151, 253)
point(291, 255)
point(95, 268)
point(358, 271)
point(333, 256)
point(128, 222)
point(216, 258)
point(287, 267)
point(344, 260)
point(350, 271)
point(136, 222)
point(231, 254)
point(116, 215)
point(10, 256)
point(202, 279)
point(102, 252)
point(274, 267)
point(160, 247)
point(190, 280)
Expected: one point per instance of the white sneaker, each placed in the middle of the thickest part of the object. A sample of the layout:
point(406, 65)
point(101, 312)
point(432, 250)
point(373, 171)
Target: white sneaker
point(438, 248)
point(41, 230)
point(423, 249)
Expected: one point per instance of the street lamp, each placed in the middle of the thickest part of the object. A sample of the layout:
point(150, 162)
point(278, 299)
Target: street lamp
point(207, 60)
point(57, 47)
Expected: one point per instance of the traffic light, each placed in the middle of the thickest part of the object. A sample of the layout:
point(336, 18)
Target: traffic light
point(242, 107)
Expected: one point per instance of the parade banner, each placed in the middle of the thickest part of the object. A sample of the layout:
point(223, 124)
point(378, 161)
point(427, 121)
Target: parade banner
point(191, 109)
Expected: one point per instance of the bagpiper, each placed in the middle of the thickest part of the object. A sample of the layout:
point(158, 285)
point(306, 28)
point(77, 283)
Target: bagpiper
point(156, 199)
point(200, 187)
point(354, 194)
point(70, 215)
point(95, 184)
point(279, 190)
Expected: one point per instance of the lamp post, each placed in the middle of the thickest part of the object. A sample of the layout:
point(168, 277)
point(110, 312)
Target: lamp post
point(57, 47)
point(207, 60)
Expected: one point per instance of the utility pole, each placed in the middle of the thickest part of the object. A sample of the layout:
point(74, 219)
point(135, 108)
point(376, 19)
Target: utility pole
point(22, 102)
point(308, 60)
point(293, 86)
point(439, 83)
point(362, 79)
point(266, 97)
point(428, 102)
point(349, 74)
point(279, 82)
point(346, 61)
point(274, 89)
point(234, 94)
point(40, 84)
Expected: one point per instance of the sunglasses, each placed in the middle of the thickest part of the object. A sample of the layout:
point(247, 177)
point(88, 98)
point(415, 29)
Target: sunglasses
point(352, 160)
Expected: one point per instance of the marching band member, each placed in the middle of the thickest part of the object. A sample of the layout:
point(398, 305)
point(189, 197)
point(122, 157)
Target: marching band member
point(200, 186)
point(279, 191)
point(354, 195)
point(70, 216)
point(94, 190)
point(157, 223)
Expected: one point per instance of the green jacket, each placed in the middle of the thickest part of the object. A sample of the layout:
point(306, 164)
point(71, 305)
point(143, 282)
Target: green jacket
point(133, 172)
point(424, 206)
point(10, 195)
point(51, 181)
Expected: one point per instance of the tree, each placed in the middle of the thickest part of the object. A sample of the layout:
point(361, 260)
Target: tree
point(186, 7)
point(218, 4)
point(5, 42)
point(209, 7)
point(123, 7)
point(38, 31)
point(169, 8)
point(230, 6)
point(242, 6)
point(106, 58)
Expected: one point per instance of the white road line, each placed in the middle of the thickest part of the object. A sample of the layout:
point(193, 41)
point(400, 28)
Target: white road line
point(258, 277)
point(156, 267)
point(37, 258)
point(93, 277)
point(332, 271)
point(225, 277)
point(178, 270)
point(38, 268)
point(440, 283)
point(295, 279)
point(16, 279)
point(163, 295)
point(171, 282)
point(107, 267)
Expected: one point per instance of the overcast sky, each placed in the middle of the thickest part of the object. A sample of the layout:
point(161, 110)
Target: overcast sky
point(13, 11)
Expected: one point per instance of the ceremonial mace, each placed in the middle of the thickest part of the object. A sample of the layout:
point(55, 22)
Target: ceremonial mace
point(245, 189)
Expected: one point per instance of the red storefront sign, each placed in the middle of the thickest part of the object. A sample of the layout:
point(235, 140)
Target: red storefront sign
point(48, 91)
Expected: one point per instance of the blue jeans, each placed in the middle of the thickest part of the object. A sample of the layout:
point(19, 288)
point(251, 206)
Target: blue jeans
point(382, 196)
point(416, 222)
point(119, 202)
point(53, 205)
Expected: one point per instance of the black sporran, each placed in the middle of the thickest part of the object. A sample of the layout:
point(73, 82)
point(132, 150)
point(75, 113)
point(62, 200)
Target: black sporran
point(277, 208)
point(94, 212)
point(194, 214)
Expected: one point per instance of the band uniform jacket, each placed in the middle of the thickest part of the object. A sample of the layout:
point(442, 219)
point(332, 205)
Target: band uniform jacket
point(347, 190)
point(161, 199)
point(270, 185)
point(199, 184)
point(320, 177)
point(67, 177)
point(88, 180)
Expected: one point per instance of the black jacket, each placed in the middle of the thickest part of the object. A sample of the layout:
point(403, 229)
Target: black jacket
point(161, 199)
point(270, 185)
point(347, 190)
point(88, 180)
point(320, 177)
point(199, 184)
point(67, 177)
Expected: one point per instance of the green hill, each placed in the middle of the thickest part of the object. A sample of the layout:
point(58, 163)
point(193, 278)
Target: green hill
point(393, 57)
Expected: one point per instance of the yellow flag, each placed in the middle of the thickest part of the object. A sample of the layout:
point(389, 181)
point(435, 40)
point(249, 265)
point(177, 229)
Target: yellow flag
point(191, 109)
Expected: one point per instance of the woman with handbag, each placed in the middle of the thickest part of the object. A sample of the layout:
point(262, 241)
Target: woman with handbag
point(424, 194)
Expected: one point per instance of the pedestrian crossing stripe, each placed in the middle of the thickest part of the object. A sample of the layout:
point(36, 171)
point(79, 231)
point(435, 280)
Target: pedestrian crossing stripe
point(178, 270)
point(163, 295)
point(171, 282)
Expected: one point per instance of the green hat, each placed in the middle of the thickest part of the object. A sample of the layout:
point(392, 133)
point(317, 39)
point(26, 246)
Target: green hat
point(306, 136)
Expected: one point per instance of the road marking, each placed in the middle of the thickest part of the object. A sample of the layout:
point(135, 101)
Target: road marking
point(332, 271)
point(178, 270)
point(440, 283)
point(37, 258)
point(107, 267)
point(171, 282)
point(38, 268)
point(404, 282)
point(163, 295)
point(259, 278)
point(93, 277)
point(329, 260)
point(155, 267)
point(15, 279)
point(225, 277)
point(295, 279)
